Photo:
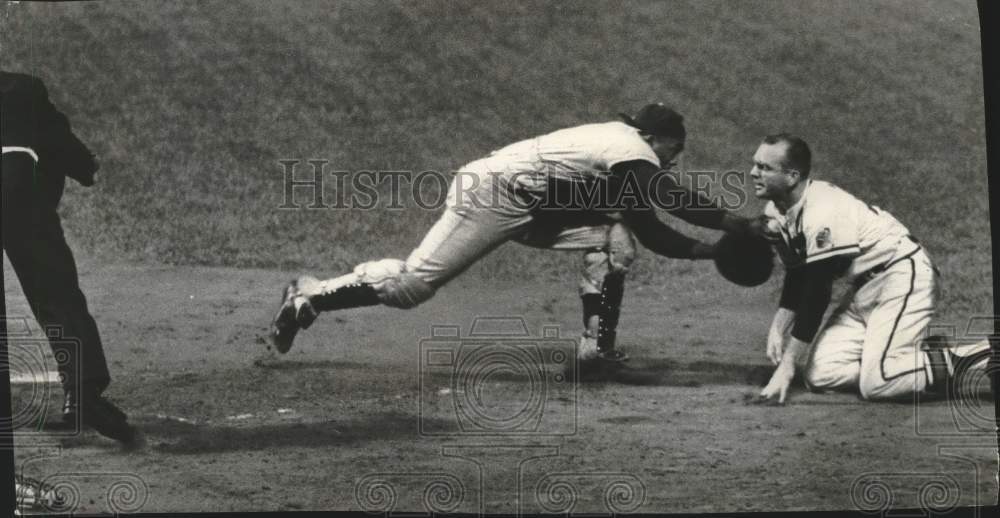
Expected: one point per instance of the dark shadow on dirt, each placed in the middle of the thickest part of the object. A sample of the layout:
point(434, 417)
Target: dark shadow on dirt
point(299, 365)
point(633, 372)
point(670, 373)
point(170, 436)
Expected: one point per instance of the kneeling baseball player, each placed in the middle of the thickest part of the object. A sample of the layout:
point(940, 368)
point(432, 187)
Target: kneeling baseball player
point(874, 342)
point(494, 200)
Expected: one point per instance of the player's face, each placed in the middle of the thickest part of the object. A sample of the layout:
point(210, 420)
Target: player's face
point(771, 179)
point(666, 149)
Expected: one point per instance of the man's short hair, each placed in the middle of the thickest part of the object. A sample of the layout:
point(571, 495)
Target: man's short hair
point(797, 154)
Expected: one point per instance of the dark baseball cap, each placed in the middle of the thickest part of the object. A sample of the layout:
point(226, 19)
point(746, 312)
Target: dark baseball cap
point(657, 119)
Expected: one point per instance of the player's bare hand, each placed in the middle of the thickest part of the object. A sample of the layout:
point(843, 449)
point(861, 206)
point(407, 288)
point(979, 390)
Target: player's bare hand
point(777, 388)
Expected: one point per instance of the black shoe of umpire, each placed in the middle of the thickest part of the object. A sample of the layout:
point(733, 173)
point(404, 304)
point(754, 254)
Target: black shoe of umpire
point(95, 411)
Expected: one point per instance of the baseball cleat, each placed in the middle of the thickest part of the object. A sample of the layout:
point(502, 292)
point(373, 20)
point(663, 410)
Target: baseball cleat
point(955, 369)
point(106, 418)
point(295, 313)
point(285, 326)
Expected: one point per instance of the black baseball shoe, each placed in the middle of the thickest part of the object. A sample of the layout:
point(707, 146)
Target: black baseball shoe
point(295, 313)
point(96, 412)
point(957, 369)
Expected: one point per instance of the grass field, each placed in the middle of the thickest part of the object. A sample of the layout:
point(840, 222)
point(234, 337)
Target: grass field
point(190, 106)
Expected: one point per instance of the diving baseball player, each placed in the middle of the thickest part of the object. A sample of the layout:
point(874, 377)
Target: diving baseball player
point(872, 342)
point(496, 199)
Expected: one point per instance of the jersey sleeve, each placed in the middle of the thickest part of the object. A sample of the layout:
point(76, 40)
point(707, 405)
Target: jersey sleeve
point(830, 229)
point(626, 145)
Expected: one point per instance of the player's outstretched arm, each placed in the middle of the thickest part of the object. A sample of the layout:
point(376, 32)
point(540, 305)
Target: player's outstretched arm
point(659, 189)
point(663, 240)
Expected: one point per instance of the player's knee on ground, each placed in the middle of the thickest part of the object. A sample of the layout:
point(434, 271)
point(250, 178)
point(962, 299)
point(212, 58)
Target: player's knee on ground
point(874, 387)
point(821, 377)
point(394, 285)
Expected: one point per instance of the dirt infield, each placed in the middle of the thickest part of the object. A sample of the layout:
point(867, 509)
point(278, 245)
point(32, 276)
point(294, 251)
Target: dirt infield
point(360, 415)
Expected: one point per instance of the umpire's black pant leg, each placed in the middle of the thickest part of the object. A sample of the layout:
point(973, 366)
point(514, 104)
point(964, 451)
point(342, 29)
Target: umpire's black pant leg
point(34, 241)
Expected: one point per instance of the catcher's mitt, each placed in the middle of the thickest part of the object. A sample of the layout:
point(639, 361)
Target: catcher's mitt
point(744, 259)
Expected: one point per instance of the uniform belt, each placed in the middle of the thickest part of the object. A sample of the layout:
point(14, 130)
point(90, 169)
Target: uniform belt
point(864, 278)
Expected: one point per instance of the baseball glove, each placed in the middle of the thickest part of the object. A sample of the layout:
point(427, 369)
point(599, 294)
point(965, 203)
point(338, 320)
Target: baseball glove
point(744, 259)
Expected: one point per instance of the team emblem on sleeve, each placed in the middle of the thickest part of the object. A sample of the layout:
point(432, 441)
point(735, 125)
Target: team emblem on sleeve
point(823, 238)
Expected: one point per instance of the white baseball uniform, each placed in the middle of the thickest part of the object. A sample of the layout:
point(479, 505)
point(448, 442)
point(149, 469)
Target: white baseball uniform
point(872, 339)
point(490, 201)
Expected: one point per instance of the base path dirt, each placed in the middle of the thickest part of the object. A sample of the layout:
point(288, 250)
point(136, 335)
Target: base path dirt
point(379, 409)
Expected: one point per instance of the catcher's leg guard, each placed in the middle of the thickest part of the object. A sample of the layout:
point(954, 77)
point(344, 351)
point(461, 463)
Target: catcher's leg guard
point(610, 309)
point(600, 320)
point(602, 290)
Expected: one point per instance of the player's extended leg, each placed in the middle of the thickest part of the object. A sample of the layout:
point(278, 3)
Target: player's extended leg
point(467, 230)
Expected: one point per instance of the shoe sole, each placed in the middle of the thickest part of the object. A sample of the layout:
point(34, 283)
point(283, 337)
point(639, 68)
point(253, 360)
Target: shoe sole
point(285, 324)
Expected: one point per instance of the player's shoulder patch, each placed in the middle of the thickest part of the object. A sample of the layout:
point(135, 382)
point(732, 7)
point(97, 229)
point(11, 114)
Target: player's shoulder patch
point(823, 238)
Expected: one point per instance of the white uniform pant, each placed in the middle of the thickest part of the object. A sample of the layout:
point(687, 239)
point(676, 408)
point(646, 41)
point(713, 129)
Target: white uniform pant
point(499, 209)
point(871, 342)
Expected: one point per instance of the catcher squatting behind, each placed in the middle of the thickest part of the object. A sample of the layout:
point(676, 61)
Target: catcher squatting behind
point(498, 207)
